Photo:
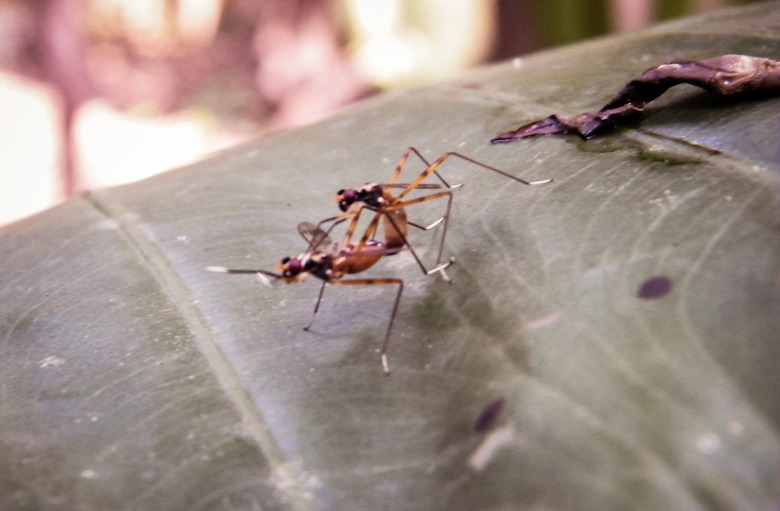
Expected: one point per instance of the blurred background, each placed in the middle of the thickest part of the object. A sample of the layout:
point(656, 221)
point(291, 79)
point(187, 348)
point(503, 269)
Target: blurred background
point(95, 93)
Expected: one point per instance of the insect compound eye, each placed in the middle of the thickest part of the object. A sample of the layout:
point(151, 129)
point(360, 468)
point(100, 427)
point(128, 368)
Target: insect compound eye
point(292, 267)
point(347, 198)
point(295, 267)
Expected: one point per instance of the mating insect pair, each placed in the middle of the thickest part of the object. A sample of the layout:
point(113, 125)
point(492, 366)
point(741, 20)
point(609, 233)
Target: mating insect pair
point(330, 262)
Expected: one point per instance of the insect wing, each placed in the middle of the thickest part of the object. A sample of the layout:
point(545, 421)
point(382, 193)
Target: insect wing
point(316, 237)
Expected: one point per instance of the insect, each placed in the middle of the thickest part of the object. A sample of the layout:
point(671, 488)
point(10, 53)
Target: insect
point(330, 262)
point(391, 208)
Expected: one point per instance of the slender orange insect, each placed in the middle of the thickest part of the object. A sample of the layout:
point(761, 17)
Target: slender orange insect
point(330, 262)
point(391, 208)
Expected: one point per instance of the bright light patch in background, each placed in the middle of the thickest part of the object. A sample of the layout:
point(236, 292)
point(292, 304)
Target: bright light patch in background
point(384, 49)
point(386, 58)
point(115, 147)
point(198, 20)
point(29, 154)
point(112, 146)
point(406, 42)
point(375, 16)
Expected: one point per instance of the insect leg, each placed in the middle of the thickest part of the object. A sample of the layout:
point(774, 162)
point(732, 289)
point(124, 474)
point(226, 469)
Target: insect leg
point(370, 230)
point(445, 218)
point(316, 306)
point(405, 241)
point(434, 171)
point(371, 282)
point(336, 221)
point(435, 165)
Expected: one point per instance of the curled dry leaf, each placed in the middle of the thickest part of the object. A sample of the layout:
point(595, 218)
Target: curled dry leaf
point(727, 75)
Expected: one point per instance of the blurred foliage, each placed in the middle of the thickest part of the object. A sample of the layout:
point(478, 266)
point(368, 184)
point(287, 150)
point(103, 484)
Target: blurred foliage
point(566, 21)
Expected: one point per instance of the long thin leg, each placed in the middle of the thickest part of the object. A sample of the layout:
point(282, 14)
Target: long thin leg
point(417, 183)
point(350, 214)
point(435, 165)
point(445, 218)
point(424, 227)
point(440, 267)
point(436, 172)
point(260, 273)
point(401, 230)
point(316, 305)
point(402, 163)
point(336, 221)
point(367, 235)
point(371, 282)
point(358, 209)
point(371, 230)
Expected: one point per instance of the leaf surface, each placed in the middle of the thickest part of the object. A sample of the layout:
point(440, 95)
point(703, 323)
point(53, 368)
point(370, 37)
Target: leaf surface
point(133, 379)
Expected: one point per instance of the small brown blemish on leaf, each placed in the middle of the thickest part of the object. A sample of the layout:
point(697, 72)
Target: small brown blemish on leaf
point(655, 287)
point(489, 415)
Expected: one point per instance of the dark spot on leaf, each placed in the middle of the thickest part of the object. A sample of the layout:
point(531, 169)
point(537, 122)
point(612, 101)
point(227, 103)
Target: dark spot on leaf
point(488, 415)
point(655, 287)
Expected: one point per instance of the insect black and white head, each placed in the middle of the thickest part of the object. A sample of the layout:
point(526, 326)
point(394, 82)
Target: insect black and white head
point(370, 194)
point(293, 269)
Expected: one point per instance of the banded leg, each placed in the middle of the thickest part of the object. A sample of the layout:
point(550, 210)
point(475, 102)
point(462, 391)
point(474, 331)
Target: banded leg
point(435, 165)
point(373, 282)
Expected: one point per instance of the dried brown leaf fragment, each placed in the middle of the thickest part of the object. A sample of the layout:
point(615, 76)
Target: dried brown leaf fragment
point(726, 75)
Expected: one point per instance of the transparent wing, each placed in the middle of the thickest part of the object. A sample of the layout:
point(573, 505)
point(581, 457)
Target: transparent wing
point(316, 237)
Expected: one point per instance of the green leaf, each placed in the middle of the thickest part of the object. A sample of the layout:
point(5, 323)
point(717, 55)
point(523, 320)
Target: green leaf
point(131, 378)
